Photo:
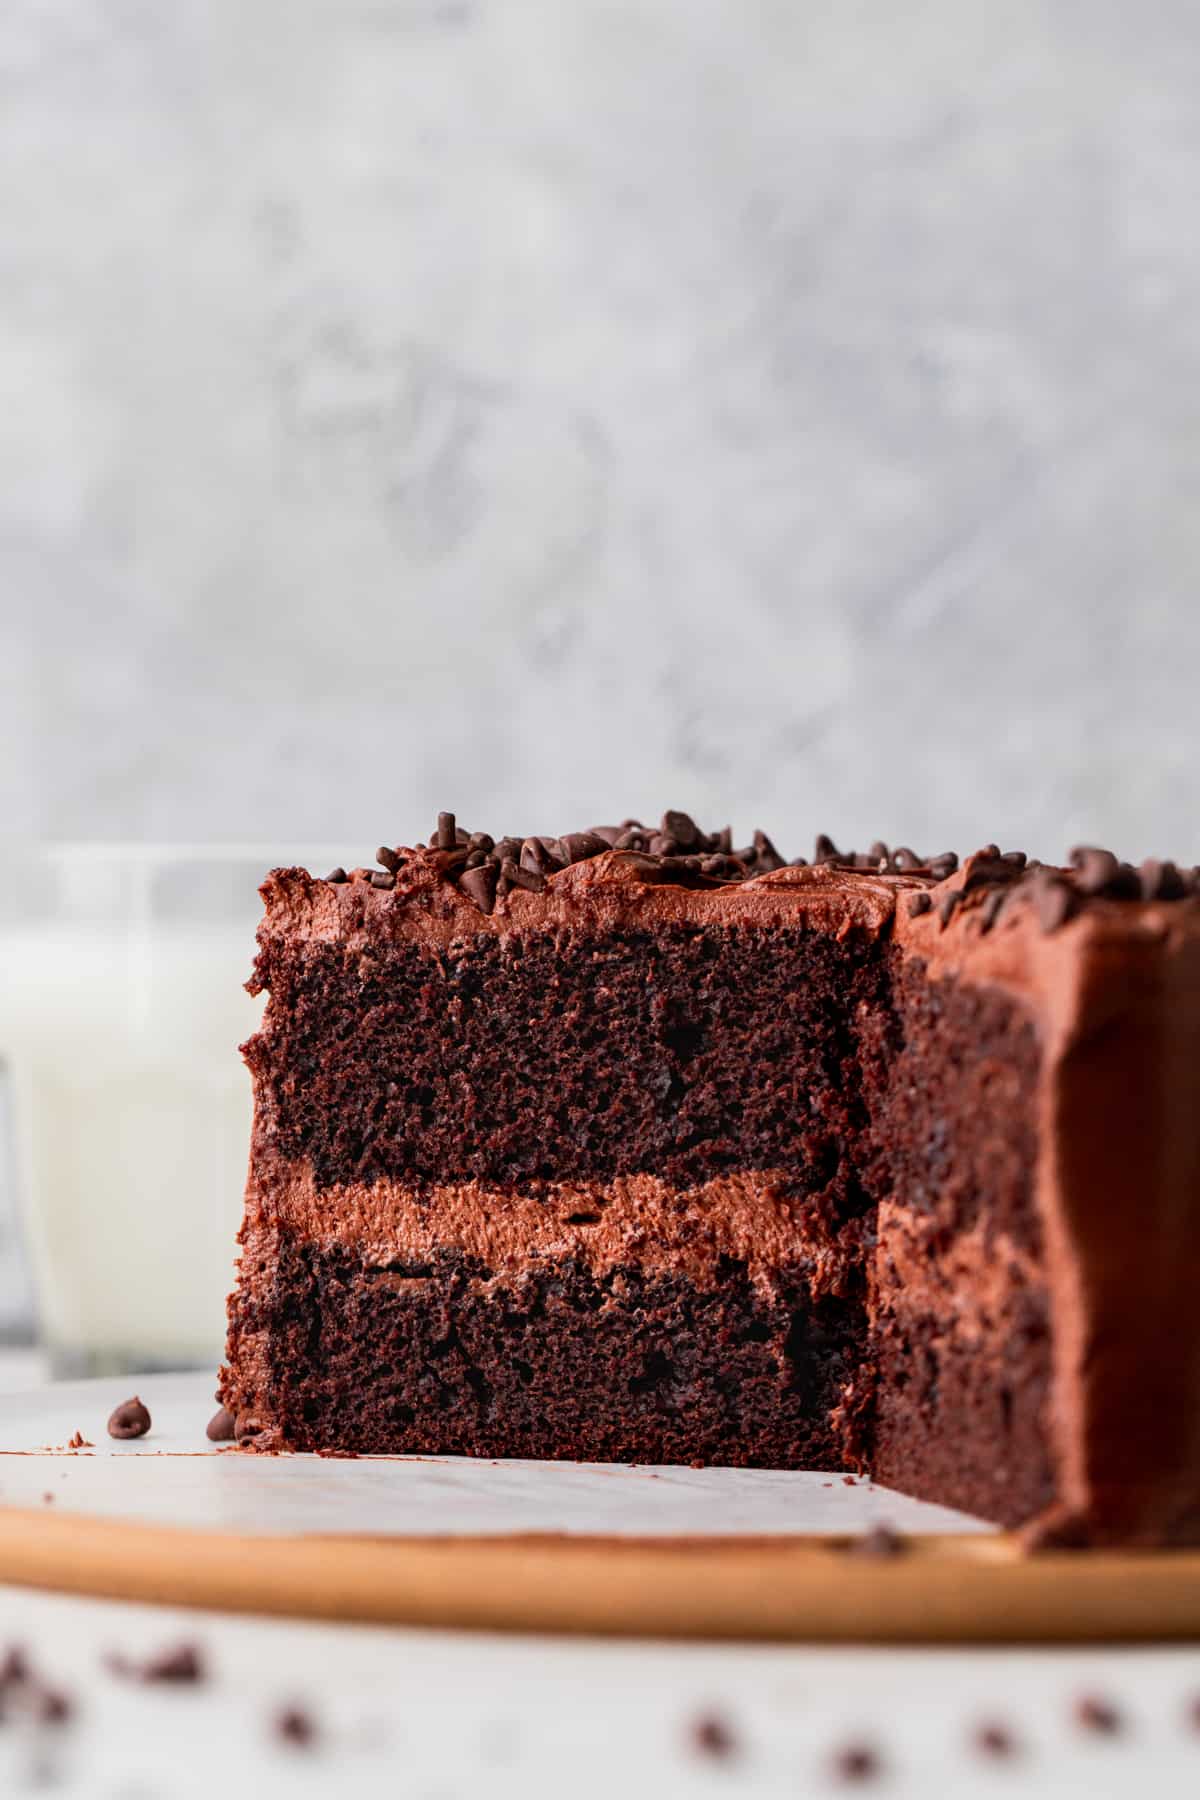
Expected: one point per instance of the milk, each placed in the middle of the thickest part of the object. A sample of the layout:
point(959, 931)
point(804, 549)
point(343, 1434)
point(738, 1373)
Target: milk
point(121, 1012)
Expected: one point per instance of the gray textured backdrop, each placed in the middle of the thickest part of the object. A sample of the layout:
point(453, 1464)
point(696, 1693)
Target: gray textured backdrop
point(787, 410)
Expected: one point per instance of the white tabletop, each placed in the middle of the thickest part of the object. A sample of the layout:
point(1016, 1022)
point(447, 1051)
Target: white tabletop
point(414, 1713)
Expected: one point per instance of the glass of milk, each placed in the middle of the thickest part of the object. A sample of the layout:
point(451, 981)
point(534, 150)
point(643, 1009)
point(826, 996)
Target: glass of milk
point(122, 1006)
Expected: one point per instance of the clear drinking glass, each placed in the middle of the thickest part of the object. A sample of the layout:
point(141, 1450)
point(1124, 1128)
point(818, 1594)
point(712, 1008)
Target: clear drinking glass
point(121, 1010)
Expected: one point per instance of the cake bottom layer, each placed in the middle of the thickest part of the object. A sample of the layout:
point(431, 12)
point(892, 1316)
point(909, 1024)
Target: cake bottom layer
point(559, 1361)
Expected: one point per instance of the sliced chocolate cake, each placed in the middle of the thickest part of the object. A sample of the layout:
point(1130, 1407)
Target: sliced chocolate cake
point(632, 1146)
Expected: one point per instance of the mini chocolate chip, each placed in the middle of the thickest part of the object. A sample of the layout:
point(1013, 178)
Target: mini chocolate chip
point(988, 853)
point(382, 878)
point(50, 1706)
point(944, 865)
point(905, 859)
point(855, 1762)
point(578, 846)
point(631, 840)
point(722, 841)
point(879, 1541)
point(1054, 899)
point(336, 876)
point(824, 850)
point(481, 840)
point(129, 1420)
point(1014, 859)
point(1094, 868)
point(662, 845)
point(388, 858)
point(15, 1670)
point(878, 853)
point(220, 1427)
point(179, 1665)
point(1094, 1713)
point(530, 879)
point(948, 906)
point(715, 865)
point(479, 885)
point(475, 859)
point(711, 1736)
point(1160, 880)
point(608, 834)
point(295, 1726)
point(447, 832)
point(992, 907)
point(537, 854)
point(767, 857)
point(994, 1739)
point(918, 903)
point(682, 827)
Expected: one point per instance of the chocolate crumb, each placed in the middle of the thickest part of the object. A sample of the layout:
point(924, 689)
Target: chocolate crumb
point(849, 1481)
point(129, 1420)
point(180, 1665)
point(1094, 1713)
point(295, 1726)
point(855, 1762)
point(881, 1540)
point(919, 903)
point(220, 1428)
point(711, 1736)
point(79, 1442)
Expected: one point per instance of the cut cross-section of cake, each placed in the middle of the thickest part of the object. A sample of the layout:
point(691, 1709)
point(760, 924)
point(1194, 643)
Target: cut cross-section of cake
point(631, 1146)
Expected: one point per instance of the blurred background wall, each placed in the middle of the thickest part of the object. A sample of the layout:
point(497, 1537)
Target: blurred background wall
point(787, 411)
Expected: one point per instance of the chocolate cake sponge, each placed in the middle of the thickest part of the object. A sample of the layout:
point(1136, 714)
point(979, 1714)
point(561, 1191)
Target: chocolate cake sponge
point(628, 1145)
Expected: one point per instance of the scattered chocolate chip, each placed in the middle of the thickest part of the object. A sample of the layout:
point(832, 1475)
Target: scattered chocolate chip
point(943, 866)
point(537, 855)
point(388, 858)
point(220, 1427)
point(1094, 1713)
point(918, 903)
point(879, 1541)
point(295, 1726)
point(50, 1706)
point(856, 1762)
point(129, 1420)
point(905, 859)
point(993, 1739)
point(992, 907)
point(767, 857)
point(948, 906)
point(711, 1736)
point(578, 846)
point(337, 876)
point(879, 853)
point(479, 885)
point(824, 850)
point(382, 878)
point(446, 837)
point(180, 1665)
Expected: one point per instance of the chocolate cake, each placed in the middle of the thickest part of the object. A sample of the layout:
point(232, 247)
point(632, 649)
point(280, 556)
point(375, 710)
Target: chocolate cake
point(629, 1145)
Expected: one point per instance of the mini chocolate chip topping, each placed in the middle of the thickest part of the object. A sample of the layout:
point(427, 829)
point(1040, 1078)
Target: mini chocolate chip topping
point(220, 1427)
point(129, 1420)
point(679, 852)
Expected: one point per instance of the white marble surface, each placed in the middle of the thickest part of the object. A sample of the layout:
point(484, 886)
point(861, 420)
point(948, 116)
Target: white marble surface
point(440, 1716)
